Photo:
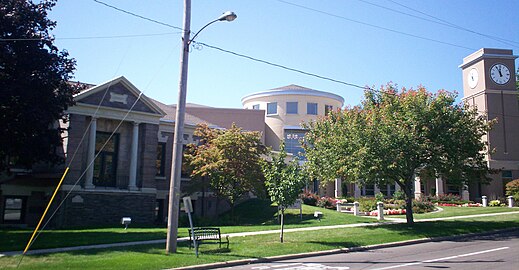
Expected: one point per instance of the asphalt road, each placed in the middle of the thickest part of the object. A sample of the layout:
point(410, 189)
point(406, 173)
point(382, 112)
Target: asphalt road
point(495, 252)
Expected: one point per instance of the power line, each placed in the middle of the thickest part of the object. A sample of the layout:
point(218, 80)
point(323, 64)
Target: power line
point(447, 23)
point(282, 66)
point(376, 26)
point(138, 16)
point(91, 37)
point(242, 55)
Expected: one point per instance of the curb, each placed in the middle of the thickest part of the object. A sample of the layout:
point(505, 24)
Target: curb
point(338, 251)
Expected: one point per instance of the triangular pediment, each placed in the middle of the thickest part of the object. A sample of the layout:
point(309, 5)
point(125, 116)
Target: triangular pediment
point(118, 94)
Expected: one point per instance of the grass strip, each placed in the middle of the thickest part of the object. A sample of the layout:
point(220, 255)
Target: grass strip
point(258, 246)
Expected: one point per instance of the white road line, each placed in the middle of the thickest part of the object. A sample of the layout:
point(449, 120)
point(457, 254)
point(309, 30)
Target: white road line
point(442, 259)
point(285, 265)
point(301, 266)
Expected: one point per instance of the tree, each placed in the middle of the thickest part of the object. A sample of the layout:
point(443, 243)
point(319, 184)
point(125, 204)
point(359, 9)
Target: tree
point(230, 159)
point(284, 182)
point(394, 135)
point(35, 91)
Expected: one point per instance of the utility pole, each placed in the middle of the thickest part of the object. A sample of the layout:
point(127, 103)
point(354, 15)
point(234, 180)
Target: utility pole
point(178, 137)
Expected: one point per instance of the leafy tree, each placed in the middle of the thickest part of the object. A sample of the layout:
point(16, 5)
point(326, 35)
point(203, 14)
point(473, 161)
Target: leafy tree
point(394, 135)
point(34, 84)
point(230, 159)
point(284, 182)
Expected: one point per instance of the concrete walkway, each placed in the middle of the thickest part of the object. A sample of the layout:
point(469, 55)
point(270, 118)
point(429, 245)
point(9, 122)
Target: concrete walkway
point(183, 239)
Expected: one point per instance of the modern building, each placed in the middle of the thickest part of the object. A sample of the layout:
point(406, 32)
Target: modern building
point(287, 108)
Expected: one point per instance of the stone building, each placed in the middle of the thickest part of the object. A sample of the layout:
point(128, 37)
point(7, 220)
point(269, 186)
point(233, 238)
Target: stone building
point(118, 149)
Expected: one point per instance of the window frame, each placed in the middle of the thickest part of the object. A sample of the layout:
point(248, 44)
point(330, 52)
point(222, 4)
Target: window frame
point(328, 109)
point(292, 103)
point(269, 104)
point(101, 157)
point(256, 107)
point(161, 163)
point(22, 209)
point(310, 106)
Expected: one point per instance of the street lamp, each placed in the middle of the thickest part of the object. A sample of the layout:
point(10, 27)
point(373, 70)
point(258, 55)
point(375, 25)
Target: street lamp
point(178, 136)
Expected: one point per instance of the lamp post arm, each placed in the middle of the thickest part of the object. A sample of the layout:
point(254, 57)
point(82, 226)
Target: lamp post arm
point(205, 26)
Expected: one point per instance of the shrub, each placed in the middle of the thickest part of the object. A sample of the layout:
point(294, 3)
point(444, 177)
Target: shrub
point(379, 197)
point(327, 202)
point(309, 198)
point(422, 207)
point(446, 199)
point(512, 188)
point(399, 195)
point(367, 204)
point(494, 203)
point(449, 197)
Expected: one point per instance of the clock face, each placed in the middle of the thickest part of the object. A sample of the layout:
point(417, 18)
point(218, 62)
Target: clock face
point(472, 78)
point(500, 74)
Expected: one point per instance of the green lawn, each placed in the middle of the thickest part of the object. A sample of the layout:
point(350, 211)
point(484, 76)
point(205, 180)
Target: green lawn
point(153, 256)
point(255, 215)
point(452, 211)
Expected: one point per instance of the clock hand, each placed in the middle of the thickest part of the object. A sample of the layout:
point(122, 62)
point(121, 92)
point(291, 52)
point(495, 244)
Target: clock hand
point(499, 69)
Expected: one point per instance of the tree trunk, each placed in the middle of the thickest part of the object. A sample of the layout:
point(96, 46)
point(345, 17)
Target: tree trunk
point(409, 202)
point(282, 225)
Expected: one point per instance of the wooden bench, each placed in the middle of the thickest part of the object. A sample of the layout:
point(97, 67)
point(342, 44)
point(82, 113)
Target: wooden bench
point(207, 234)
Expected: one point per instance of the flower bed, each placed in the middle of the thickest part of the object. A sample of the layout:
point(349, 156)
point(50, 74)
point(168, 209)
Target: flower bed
point(460, 205)
point(389, 212)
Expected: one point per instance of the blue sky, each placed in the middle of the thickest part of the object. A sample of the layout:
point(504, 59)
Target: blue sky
point(363, 42)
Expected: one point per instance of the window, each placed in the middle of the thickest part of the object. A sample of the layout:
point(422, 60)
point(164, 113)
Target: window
point(387, 189)
point(105, 165)
point(161, 159)
point(328, 109)
point(255, 107)
point(293, 140)
point(159, 211)
point(184, 168)
point(311, 108)
point(14, 208)
point(272, 108)
point(368, 190)
point(506, 176)
point(291, 107)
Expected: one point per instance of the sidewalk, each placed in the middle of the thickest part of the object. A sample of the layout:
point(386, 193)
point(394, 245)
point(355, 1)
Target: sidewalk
point(183, 239)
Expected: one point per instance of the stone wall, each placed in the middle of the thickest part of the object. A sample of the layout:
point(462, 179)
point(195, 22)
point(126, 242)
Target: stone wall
point(98, 209)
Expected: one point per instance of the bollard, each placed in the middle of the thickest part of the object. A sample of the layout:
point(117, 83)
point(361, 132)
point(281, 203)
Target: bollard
point(484, 200)
point(380, 210)
point(510, 201)
point(356, 208)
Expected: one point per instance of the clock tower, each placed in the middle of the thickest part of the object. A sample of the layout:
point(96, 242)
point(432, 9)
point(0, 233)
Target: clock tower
point(489, 85)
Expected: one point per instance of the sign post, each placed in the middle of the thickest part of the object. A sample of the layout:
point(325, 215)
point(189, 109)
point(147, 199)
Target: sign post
point(188, 207)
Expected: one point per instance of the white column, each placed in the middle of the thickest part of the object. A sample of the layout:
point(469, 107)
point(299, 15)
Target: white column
point(439, 186)
point(338, 188)
point(484, 201)
point(357, 193)
point(397, 187)
point(376, 189)
point(380, 210)
point(132, 183)
point(89, 177)
point(417, 187)
point(510, 201)
point(465, 195)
